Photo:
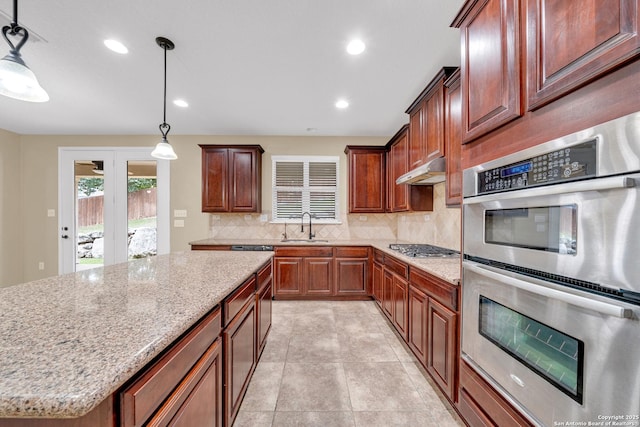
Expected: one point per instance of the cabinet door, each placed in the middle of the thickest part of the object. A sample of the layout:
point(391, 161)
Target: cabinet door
point(434, 123)
point(245, 177)
point(569, 46)
point(418, 323)
point(441, 354)
point(399, 166)
point(400, 302)
point(351, 276)
point(263, 299)
point(318, 276)
point(417, 143)
point(239, 348)
point(377, 279)
point(215, 179)
point(367, 179)
point(453, 140)
point(490, 64)
point(288, 276)
point(387, 294)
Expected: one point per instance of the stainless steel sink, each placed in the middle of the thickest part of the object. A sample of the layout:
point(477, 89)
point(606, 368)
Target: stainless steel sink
point(303, 240)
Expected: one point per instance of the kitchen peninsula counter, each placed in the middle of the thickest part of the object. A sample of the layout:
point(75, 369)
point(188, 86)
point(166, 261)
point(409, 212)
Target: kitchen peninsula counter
point(69, 342)
point(445, 268)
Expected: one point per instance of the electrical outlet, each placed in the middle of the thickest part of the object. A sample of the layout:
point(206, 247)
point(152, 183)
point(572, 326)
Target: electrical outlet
point(51, 213)
point(178, 222)
point(41, 265)
point(363, 218)
point(427, 217)
point(264, 218)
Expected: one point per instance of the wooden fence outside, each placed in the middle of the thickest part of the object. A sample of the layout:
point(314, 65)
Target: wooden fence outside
point(140, 204)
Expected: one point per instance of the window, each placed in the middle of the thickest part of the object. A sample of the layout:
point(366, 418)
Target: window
point(305, 184)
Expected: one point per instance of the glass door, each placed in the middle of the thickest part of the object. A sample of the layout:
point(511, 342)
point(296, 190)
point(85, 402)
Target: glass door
point(113, 204)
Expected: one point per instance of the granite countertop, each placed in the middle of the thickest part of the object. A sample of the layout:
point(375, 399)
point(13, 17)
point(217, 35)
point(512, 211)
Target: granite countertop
point(69, 341)
point(445, 268)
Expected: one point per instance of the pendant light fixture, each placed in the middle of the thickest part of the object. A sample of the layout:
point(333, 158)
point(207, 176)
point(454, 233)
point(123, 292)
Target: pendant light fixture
point(16, 79)
point(164, 150)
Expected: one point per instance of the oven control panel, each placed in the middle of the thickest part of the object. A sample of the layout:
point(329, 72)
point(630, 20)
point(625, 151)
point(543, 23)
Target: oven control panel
point(563, 164)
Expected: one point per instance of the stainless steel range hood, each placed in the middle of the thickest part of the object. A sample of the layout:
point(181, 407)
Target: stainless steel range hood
point(430, 173)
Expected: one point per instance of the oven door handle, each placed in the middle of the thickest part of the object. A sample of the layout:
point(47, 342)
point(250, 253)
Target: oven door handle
point(597, 306)
point(602, 184)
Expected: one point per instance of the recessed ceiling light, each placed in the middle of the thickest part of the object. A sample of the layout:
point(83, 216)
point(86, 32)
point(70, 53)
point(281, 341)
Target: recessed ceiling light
point(116, 46)
point(181, 103)
point(342, 104)
point(355, 47)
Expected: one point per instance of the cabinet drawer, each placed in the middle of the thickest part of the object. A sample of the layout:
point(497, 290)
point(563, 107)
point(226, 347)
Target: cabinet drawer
point(378, 256)
point(264, 275)
point(142, 398)
point(441, 291)
point(352, 252)
point(298, 251)
point(398, 267)
point(234, 302)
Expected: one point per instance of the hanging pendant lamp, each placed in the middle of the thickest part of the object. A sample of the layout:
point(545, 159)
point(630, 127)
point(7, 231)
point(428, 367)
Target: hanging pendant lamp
point(164, 150)
point(16, 79)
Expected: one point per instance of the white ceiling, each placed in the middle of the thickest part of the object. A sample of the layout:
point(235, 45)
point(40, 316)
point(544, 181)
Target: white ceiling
point(246, 67)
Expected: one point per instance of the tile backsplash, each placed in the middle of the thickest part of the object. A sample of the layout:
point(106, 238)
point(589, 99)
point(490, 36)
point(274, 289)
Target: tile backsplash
point(440, 227)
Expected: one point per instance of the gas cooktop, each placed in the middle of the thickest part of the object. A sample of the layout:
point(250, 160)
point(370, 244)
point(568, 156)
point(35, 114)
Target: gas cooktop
point(423, 251)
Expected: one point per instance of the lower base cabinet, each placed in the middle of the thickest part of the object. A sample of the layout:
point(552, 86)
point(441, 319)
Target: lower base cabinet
point(481, 405)
point(442, 355)
point(418, 323)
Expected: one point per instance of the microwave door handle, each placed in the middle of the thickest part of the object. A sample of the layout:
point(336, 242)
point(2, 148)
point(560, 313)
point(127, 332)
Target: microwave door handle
point(601, 184)
point(597, 306)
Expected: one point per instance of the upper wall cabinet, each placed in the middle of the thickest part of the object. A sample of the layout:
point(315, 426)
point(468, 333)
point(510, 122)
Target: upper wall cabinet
point(453, 140)
point(426, 121)
point(231, 178)
point(366, 179)
point(490, 65)
point(569, 45)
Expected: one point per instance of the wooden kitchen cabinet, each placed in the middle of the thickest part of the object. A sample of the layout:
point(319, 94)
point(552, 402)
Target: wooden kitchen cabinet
point(398, 165)
point(190, 371)
point(481, 405)
point(264, 296)
point(568, 46)
point(387, 294)
point(426, 121)
point(240, 348)
point(395, 293)
point(453, 140)
point(367, 178)
point(231, 178)
point(288, 276)
point(352, 271)
point(377, 275)
point(491, 75)
point(318, 276)
point(418, 323)
point(442, 356)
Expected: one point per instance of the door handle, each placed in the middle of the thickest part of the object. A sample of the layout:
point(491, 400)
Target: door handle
point(65, 236)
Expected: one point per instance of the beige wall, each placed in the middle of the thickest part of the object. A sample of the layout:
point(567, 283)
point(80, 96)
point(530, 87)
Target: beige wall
point(39, 154)
point(11, 223)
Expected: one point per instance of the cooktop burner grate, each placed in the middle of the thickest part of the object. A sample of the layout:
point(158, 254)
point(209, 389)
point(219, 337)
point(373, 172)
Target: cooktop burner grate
point(423, 251)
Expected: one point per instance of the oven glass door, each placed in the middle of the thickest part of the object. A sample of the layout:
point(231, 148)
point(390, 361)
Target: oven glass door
point(544, 228)
point(555, 356)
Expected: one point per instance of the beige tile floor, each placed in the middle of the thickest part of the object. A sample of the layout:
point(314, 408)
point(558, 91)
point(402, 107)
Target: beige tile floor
point(339, 363)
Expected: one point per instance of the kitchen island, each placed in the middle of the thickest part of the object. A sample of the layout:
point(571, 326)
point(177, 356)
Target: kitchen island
point(70, 342)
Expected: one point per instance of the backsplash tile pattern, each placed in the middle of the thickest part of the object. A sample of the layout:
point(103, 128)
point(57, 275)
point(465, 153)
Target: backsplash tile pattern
point(440, 227)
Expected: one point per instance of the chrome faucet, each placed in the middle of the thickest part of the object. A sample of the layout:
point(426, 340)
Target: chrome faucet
point(311, 235)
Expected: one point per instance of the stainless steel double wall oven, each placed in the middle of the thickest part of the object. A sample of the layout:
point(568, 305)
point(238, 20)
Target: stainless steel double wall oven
point(551, 275)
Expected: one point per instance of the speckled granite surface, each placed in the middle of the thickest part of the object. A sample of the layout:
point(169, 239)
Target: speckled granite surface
point(445, 268)
point(68, 342)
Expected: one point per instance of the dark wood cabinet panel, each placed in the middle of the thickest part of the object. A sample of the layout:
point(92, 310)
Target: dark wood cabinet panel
point(231, 178)
point(418, 323)
point(453, 140)
point(288, 276)
point(398, 165)
point(318, 276)
point(239, 344)
point(351, 276)
point(417, 141)
point(442, 355)
point(263, 305)
point(377, 279)
point(434, 122)
point(569, 46)
point(367, 179)
point(481, 405)
point(387, 294)
point(490, 65)
point(400, 303)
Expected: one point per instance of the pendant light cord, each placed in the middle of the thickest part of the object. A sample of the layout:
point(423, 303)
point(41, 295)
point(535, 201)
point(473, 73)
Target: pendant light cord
point(164, 127)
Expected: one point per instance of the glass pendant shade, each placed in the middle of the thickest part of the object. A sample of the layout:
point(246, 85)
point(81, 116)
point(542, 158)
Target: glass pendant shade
point(18, 81)
point(164, 151)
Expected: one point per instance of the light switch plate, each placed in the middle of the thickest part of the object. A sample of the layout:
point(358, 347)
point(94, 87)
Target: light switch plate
point(51, 213)
point(178, 222)
point(180, 213)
